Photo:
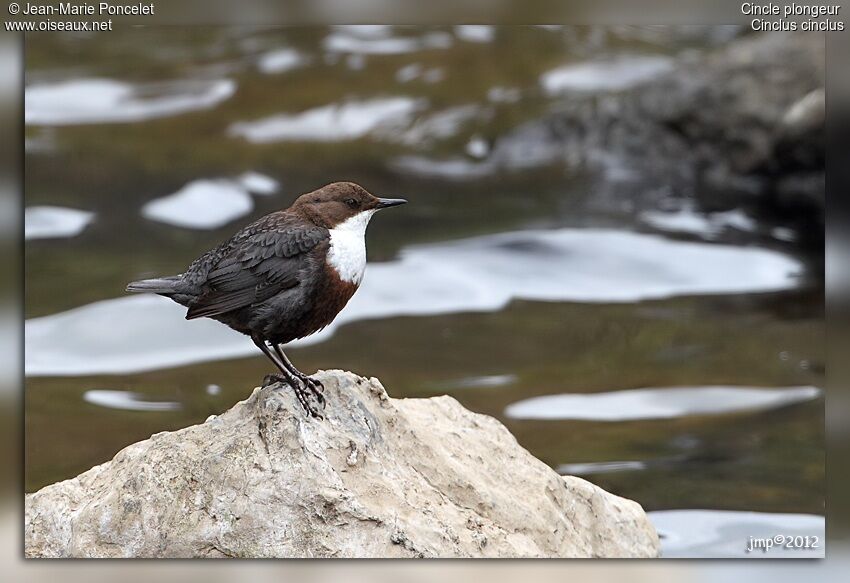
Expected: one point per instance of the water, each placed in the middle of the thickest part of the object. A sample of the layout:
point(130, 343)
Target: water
point(677, 355)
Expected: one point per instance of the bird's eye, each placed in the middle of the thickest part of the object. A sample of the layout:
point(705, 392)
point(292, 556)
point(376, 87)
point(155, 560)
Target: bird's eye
point(351, 202)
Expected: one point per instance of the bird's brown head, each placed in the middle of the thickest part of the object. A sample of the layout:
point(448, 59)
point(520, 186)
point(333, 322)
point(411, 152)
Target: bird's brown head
point(341, 203)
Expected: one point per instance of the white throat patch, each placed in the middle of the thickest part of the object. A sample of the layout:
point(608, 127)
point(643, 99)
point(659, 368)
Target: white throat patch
point(347, 253)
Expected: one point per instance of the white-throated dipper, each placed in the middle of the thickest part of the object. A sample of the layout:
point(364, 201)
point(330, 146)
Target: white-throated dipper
point(284, 276)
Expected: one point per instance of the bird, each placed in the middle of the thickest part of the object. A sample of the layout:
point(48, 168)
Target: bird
point(283, 277)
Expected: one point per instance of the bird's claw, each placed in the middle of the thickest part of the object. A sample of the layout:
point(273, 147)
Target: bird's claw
point(319, 385)
point(304, 398)
point(317, 389)
point(304, 388)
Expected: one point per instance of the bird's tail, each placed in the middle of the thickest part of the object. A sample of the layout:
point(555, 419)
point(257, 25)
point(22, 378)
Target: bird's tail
point(158, 285)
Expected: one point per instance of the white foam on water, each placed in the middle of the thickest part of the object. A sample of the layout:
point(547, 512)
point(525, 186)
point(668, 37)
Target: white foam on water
point(49, 222)
point(726, 533)
point(357, 39)
point(160, 338)
point(661, 403)
point(126, 400)
point(257, 183)
point(329, 123)
point(486, 381)
point(475, 33)
point(280, 61)
point(736, 219)
point(690, 221)
point(589, 468)
point(783, 234)
point(504, 94)
point(92, 101)
point(364, 30)
point(680, 222)
point(434, 75)
point(408, 73)
point(355, 62)
point(605, 75)
point(456, 168)
point(477, 147)
point(439, 125)
point(479, 274)
point(201, 204)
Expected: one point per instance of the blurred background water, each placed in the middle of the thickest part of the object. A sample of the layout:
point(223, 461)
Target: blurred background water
point(663, 341)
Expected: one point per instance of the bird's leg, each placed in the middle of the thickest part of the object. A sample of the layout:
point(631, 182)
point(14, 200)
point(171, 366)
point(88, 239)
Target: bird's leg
point(315, 385)
point(290, 378)
point(291, 367)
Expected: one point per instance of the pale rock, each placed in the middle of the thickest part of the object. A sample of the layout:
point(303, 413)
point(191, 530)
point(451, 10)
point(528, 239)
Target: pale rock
point(378, 477)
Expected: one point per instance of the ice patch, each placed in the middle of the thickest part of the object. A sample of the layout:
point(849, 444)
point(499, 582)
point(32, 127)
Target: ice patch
point(334, 122)
point(666, 403)
point(605, 75)
point(49, 222)
point(201, 204)
point(479, 274)
point(89, 101)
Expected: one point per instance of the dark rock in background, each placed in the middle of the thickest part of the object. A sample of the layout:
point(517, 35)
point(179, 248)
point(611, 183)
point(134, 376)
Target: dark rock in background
point(739, 127)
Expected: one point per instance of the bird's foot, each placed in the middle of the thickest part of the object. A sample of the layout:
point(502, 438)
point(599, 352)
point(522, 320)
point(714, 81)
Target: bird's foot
point(316, 388)
point(303, 395)
point(314, 385)
point(303, 388)
point(271, 379)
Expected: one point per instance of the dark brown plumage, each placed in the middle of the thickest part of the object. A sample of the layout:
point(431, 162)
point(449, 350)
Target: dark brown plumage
point(284, 276)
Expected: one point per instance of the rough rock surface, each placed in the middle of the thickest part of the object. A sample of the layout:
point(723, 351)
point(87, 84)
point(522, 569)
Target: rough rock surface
point(379, 477)
point(739, 125)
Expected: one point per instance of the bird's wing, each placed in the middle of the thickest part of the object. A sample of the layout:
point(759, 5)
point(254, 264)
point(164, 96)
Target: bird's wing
point(256, 266)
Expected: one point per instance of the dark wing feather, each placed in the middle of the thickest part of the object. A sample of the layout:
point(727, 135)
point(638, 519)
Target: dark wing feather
point(256, 266)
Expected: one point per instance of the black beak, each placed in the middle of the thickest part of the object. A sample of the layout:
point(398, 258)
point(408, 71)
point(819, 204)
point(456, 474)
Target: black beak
point(384, 203)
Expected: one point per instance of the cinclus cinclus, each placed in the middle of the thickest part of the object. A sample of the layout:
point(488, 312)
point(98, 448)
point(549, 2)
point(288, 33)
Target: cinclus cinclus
point(284, 276)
